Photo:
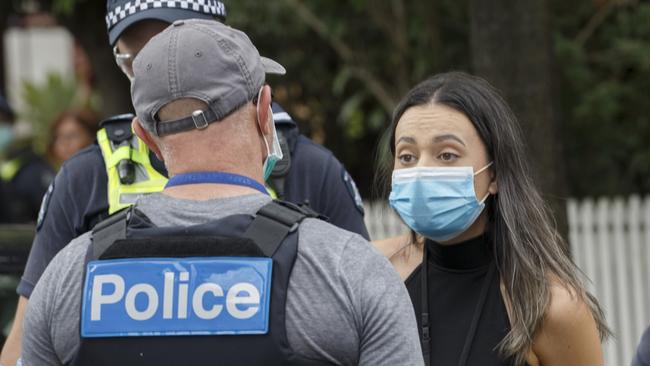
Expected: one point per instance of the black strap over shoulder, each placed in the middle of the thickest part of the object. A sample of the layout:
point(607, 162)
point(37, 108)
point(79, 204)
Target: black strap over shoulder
point(274, 222)
point(109, 231)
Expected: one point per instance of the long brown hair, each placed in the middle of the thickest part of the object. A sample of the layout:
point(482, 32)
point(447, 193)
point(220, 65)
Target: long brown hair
point(528, 247)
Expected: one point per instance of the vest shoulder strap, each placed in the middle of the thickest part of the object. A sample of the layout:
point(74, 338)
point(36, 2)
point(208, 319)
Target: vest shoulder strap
point(107, 232)
point(273, 222)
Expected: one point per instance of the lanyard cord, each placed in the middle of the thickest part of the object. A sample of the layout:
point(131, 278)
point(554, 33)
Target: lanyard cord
point(426, 336)
point(215, 178)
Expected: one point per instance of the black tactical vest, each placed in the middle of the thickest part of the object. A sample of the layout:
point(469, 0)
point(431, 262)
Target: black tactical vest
point(271, 233)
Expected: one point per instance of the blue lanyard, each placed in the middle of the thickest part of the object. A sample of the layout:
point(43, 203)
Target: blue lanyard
point(214, 178)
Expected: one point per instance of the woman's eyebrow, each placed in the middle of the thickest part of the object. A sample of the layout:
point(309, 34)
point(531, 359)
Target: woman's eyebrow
point(441, 138)
point(408, 140)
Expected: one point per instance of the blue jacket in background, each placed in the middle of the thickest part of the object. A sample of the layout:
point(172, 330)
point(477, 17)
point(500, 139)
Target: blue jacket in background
point(642, 357)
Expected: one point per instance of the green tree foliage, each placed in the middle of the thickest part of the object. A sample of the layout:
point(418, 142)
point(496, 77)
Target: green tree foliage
point(349, 63)
point(605, 66)
point(44, 102)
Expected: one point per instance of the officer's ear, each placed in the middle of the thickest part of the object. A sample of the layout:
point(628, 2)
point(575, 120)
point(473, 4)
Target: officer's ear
point(145, 136)
point(264, 108)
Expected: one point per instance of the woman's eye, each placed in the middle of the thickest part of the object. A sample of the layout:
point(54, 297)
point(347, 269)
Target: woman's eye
point(447, 156)
point(406, 159)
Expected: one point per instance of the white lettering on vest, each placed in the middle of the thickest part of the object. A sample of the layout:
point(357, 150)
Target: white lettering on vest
point(100, 299)
point(182, 295)
point(233, 299)
point(152, 301)
point(197, 301)
point(168, 295)
point(242, 300)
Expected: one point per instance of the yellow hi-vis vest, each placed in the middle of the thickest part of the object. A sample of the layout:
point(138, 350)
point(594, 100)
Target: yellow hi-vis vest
point(147, 179)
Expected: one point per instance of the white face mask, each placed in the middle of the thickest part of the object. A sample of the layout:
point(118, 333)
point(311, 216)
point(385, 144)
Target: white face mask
point(274, 152)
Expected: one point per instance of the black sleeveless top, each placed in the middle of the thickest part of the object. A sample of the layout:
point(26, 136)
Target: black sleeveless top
point(467, 317)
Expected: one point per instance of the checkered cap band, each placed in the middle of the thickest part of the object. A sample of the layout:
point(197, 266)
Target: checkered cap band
point(211, 7)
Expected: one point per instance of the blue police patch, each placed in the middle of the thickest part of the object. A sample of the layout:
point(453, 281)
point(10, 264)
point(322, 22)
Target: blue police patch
point(176, 296)
point(44, 205)
point(353, 191)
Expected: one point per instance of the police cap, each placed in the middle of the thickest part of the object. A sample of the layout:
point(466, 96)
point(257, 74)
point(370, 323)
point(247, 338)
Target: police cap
point(120, 14)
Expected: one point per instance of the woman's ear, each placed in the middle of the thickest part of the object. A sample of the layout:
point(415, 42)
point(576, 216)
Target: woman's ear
point(493, 188)
point(145, 136)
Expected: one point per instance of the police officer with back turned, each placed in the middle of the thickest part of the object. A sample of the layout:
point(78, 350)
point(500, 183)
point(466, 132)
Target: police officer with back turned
point(212, 270)
point(111, 174)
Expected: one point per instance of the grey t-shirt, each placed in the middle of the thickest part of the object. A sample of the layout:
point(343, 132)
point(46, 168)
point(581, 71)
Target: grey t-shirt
point(345, 304)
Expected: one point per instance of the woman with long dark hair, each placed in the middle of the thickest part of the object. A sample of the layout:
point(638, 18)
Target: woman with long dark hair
point(488, 274)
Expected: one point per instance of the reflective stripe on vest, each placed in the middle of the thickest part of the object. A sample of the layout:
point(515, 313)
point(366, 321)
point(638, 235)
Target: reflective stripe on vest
point(147, 179)
point(9, 169)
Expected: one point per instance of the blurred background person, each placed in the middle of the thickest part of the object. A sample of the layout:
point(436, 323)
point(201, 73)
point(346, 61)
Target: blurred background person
point(490, 281)
point(70, 132)
point(25, 176)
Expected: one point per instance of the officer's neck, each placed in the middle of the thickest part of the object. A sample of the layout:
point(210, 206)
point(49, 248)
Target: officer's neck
point(203, 192)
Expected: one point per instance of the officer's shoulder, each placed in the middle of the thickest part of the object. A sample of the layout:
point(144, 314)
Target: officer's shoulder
point(74, 253)
point(324, 236)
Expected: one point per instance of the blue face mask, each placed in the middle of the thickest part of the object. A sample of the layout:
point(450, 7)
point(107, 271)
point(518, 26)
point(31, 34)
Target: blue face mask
point(273, 152)
point(6, 135)
point(436, 202)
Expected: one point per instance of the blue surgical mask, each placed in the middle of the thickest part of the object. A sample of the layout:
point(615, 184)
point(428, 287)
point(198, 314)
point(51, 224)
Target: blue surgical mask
point(273, 152)
point(6, 136)
point(437, 202)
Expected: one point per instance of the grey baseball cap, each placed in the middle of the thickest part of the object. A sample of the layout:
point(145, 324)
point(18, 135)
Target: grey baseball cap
point(200, 59)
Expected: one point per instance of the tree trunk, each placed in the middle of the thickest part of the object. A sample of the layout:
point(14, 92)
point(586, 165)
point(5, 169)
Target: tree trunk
point(511, 47)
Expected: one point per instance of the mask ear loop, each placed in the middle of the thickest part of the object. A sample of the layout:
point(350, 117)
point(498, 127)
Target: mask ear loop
point(483, 168)
point(479, 172)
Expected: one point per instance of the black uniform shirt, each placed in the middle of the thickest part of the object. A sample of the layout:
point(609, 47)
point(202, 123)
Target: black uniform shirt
point(79, 199)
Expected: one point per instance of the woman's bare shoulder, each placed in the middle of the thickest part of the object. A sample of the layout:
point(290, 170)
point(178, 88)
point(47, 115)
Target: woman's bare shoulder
point(569, 334)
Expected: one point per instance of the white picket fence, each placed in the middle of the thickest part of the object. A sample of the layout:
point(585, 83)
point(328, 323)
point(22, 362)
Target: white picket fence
point(610, 242)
